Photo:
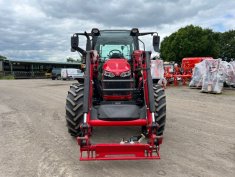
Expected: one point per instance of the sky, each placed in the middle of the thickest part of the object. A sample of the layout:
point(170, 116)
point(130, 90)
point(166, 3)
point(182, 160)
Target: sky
point(41, 29)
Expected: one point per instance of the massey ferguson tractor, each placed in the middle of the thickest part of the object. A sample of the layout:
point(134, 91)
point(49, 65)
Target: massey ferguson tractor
point(117, 90)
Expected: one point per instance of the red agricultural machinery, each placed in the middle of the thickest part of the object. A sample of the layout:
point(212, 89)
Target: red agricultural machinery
point(118, 90)
point(184, 73)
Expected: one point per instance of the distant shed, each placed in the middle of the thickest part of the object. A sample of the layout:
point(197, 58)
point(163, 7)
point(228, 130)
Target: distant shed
point(32, 68)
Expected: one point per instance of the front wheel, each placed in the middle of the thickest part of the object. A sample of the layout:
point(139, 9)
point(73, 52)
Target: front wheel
point(74, 109)
point(160, 104)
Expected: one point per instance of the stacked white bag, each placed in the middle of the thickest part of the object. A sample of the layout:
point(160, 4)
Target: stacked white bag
point(211, 74)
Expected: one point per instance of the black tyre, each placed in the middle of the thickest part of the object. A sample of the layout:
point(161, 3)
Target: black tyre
point(160, 104)
point(58, 77)
point(74, 109)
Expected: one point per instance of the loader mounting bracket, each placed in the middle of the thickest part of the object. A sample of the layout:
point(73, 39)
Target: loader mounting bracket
point(122, 151)
point(128, 151)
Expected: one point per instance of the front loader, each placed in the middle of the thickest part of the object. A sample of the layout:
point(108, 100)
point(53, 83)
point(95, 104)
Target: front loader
point(117, 90)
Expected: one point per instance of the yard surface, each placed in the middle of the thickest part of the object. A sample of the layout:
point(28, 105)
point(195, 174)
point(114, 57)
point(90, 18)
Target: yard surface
point(199, 138)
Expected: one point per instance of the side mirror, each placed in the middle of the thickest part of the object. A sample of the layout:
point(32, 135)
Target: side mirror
point(156, 43)
point(74, 42)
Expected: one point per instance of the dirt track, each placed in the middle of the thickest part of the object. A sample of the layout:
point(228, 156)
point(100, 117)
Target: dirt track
point(199, 139)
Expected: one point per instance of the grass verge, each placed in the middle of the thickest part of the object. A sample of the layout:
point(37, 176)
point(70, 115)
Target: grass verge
point(9, 77)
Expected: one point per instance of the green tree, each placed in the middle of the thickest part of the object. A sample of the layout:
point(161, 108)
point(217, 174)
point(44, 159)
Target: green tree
point(190, 41)
point(70, 59)
point(227, 45)
point(2, 58)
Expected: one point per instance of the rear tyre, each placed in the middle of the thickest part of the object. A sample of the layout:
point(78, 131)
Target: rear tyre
point(74, 109)
point(160, 104)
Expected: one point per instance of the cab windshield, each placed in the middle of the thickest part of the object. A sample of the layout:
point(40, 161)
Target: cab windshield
point(115, 43)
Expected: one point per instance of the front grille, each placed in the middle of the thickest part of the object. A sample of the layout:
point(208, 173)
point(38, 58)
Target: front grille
point(117, 83)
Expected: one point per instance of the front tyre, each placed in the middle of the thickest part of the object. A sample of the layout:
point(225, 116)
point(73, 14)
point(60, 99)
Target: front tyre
point(160, 104)
point(74, 109)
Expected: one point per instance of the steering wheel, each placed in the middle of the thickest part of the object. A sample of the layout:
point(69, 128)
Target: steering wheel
point(114, 51)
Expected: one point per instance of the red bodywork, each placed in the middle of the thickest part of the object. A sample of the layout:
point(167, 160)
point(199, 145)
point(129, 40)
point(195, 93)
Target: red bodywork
point(120, 151)
point(168, 72)
point(117, 66)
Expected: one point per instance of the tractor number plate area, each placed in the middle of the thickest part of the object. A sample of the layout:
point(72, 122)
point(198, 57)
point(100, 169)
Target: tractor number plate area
point(118, 152)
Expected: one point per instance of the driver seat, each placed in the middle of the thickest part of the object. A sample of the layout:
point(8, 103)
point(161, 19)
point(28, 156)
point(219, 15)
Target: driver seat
point(117, 55)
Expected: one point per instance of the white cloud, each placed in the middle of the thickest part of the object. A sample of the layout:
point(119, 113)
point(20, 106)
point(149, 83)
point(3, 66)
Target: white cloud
point(42, 29)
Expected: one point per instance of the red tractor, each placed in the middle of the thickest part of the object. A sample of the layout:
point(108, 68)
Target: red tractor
point(118, 90)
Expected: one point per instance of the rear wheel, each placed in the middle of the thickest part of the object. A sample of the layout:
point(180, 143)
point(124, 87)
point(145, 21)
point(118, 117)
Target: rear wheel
point(160, 104)
point(74, 109)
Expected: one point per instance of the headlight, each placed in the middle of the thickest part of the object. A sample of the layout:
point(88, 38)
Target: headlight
point(126, 74)
point(108, 74)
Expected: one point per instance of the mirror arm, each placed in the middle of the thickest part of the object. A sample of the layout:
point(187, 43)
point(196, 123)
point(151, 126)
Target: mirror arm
point(88, 44)
point(83, 52)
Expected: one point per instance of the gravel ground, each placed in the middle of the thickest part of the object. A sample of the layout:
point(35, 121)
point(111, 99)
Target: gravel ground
point(199, 139)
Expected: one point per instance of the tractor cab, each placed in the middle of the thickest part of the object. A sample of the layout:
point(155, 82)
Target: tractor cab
point(115, 49)
point(114, 44)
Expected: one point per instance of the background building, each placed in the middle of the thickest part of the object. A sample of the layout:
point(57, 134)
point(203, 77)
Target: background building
point(32, 69)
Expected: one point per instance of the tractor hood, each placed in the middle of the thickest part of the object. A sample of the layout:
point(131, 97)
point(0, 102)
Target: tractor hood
point(116, 66)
